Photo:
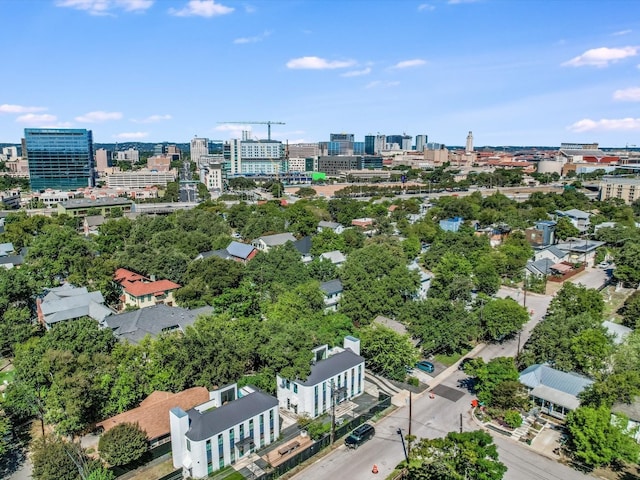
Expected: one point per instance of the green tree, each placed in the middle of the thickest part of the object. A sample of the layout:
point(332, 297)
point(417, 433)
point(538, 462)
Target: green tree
point(123, 444)
point(516, 252)
point(101, 473)
point(322, 269)
point(627, 268)
point(591, 349)
point(565, 229)
point(596, 439)
point(306, 192)
point(488, 376)
point(502, 317)
point(441, 325)
point(5, 430)
point(56, 459)
point(452, 280)
point(486, 277)
point(631, 311)
point(387, 352)
point(458, 456)
point(376, 281)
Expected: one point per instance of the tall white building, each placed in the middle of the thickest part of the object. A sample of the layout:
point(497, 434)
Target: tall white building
point(212, 175)
point(421, 142)
point(130, 155)
point(233, 424)
point(336, 375)
point(199, 147)
point(380, 143)
point(469, 145)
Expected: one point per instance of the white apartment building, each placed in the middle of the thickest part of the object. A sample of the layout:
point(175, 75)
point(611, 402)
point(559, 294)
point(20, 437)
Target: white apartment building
point(336, 374)
point(231, 425)
point(140, 179)
point(130, 155)
point(212, 176)
point(199, 147)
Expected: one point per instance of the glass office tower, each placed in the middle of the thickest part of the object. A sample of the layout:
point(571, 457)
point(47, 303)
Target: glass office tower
point(61, 159)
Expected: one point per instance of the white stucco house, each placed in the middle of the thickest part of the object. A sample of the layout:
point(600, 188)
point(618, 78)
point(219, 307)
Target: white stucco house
point(336, 373)
point(336, 227)
point(232, 424)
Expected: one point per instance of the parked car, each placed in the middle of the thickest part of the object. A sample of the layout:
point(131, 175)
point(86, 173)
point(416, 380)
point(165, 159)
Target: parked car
point(359, 436)
point(408, 369)
point(425, 366)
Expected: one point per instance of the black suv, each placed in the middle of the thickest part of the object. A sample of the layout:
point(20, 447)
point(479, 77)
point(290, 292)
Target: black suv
point(360, 435)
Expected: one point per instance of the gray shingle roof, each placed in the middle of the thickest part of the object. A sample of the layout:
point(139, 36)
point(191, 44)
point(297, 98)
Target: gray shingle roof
point(277, 239)
point(209, 423)
point(137, 324)
point(67, 302)
point(542, 266)
point(303, 245)
point(574, 213)
point(334, 256)
point(331, 225)
point(331, 287)
point(332, 366)
point(617, 331)
point(556, 251)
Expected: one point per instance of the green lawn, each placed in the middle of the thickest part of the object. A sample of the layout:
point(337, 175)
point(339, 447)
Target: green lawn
point(8, 376)
point(448, 360)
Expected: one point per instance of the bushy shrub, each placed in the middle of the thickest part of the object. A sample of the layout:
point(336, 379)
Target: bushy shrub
point(513, 418)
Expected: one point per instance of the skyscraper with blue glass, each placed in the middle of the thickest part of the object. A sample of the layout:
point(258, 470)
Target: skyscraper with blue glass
point(59, 158)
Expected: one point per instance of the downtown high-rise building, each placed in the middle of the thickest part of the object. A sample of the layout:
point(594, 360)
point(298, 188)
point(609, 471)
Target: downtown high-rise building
point(421, 142)
point(199, 147)
point(60, 159)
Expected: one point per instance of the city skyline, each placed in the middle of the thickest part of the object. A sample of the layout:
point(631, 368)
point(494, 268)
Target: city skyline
point(514, 73)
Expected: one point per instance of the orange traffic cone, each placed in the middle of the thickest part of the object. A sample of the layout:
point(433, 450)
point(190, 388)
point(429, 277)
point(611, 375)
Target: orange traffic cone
point(374, 469)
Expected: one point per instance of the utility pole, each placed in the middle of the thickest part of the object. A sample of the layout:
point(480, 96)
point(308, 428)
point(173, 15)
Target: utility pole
point(409, 443)
point(461, 423)
point(404, 448)
point(333, 412)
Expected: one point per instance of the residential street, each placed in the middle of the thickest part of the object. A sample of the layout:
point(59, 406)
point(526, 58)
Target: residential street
point(440, 415)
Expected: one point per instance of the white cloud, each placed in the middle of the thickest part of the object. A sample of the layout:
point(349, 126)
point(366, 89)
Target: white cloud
point(153, 119)
point(35, 118)
point(104, 7)
point(426, 7)
point(131, 135)
point(357, 73)
point(605, 124)
point(317, 63)
point(601, 57)
point(627, 94)
point(250, 9)
point(257, 38)
point(98, 116)
point(202, 8)
point(458, 2)
point(7, 108)
point(621, 32)
point(416, 62)
point(380, 83)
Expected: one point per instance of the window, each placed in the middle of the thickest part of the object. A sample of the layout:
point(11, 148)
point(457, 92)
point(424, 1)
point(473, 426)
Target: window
point(209, 458)
point(232, 447)
point(188, 445)
point(295, 388)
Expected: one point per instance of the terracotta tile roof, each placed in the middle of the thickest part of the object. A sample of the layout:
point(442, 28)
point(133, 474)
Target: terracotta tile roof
point(137, 289)
point(153, 413)
point(124, 274)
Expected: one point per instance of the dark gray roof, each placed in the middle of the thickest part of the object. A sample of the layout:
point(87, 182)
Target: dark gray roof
point(332, 286)
point(542, 266)
point(137, 324)
point(332, 225)
point(209, 423)
point(332, 366)
point(240, 250)
point(303, 245)
point(556, 251)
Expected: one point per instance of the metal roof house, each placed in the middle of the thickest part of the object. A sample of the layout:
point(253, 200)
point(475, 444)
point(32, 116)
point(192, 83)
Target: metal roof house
point(332, 291)
point(555, 392)
point(231, 425)
point(238, 251)
point(337, 375)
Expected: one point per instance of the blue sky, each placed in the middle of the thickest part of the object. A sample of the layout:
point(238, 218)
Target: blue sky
point(515, 72)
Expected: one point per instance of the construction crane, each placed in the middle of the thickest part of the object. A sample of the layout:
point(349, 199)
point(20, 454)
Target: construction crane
point(268, 123)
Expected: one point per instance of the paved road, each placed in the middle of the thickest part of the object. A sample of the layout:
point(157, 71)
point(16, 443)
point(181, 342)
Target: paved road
point(431, 418)
point(436, 417)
